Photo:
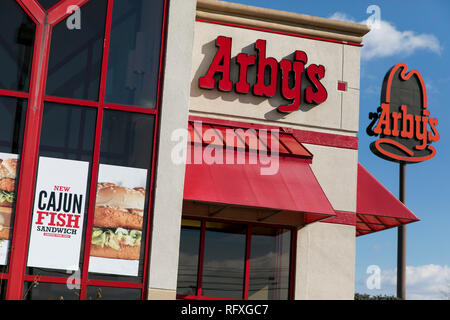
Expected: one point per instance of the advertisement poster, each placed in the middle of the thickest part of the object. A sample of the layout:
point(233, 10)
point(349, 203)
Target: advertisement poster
point(118, 220)
point(58, 214)
point(8, 171)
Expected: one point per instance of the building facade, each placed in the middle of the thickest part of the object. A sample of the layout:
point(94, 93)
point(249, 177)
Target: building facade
point(181, 149)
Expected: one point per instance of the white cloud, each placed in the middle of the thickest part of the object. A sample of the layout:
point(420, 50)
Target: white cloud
point(427, 282)
point(385, 40)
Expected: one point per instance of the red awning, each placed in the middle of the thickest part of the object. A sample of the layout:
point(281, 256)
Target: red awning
point(293, 187)
point(377, 209)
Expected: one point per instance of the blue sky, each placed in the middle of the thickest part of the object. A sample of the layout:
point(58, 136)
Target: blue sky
point(416, 33)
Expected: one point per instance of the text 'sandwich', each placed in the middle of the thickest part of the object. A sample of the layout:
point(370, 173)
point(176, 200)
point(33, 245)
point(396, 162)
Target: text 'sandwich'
point(118, 221)
point(7, 187)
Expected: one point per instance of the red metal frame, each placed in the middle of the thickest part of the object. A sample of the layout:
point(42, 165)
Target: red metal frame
point(302, 136)
point(45, 21)
point(292, 257)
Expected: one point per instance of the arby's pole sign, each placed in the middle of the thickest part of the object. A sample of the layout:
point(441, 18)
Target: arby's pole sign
point(298, 82)
point(405, 131)
point(403, 122)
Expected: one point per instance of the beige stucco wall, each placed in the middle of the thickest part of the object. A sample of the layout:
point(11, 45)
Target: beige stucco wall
point(325, 268)
point(339, 114)
point(169, 182)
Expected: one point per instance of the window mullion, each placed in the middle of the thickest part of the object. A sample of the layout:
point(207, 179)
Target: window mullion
point(247, 261)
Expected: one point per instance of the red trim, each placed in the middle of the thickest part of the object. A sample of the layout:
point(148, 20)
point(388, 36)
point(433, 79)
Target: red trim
point(326, 139)
point(302, 136)
point(46, 279)
point(59, 12)
point(130, 108)
point(117, 284)
point(342, 217)
point(71, 101)
point(16, 94)
point(279, 32)
point(96, 155)
point(34, 10)
point(28, 167)
point(248, 245)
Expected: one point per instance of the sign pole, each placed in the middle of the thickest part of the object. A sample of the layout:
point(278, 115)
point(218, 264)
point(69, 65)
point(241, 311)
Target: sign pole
point(401, 240)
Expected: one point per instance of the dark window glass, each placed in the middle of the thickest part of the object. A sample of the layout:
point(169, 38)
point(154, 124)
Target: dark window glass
point(47, 4)
point(12, 123)
point(68, 132)
point(76, 55)
point(269, 264)
point(127, 139)
point(188, 258)
point(49, 291)
point(135, 53)
point(2, 289)
point(109, 293)
point(224, 260)
point(11, 136)
point(125, 165)
point(16, 46)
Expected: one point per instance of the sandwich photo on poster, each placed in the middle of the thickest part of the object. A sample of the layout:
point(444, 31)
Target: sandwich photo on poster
point(118, 220)
point(8, 171)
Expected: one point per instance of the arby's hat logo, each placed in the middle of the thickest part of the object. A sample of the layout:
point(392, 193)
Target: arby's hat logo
point(403, 122)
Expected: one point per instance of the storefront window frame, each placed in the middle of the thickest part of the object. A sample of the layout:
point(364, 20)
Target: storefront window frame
point(35, 97)
point(247, 265)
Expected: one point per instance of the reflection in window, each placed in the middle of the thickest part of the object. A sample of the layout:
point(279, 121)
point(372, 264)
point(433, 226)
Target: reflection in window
point(49, 291)
point(269, 264)
point(74, 70)
point(133, 65)
point(2, 289)
point(224, 260)
point(68, 132)
point(16, 46)
point(188, 257)
point(110, 293)
point(12, 123)
point(127, 139)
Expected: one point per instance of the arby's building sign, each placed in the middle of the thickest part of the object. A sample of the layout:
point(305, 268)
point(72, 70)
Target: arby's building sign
point(296, 82)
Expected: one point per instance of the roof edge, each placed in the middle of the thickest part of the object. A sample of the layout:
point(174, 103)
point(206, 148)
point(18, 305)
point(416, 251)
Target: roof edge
point(280, 21)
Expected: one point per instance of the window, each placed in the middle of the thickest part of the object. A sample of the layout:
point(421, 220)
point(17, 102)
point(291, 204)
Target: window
point(87, 99)
point(234, 261)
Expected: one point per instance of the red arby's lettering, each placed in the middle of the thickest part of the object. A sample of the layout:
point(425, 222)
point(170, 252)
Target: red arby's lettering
point(412, 126)
point(267, 75)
